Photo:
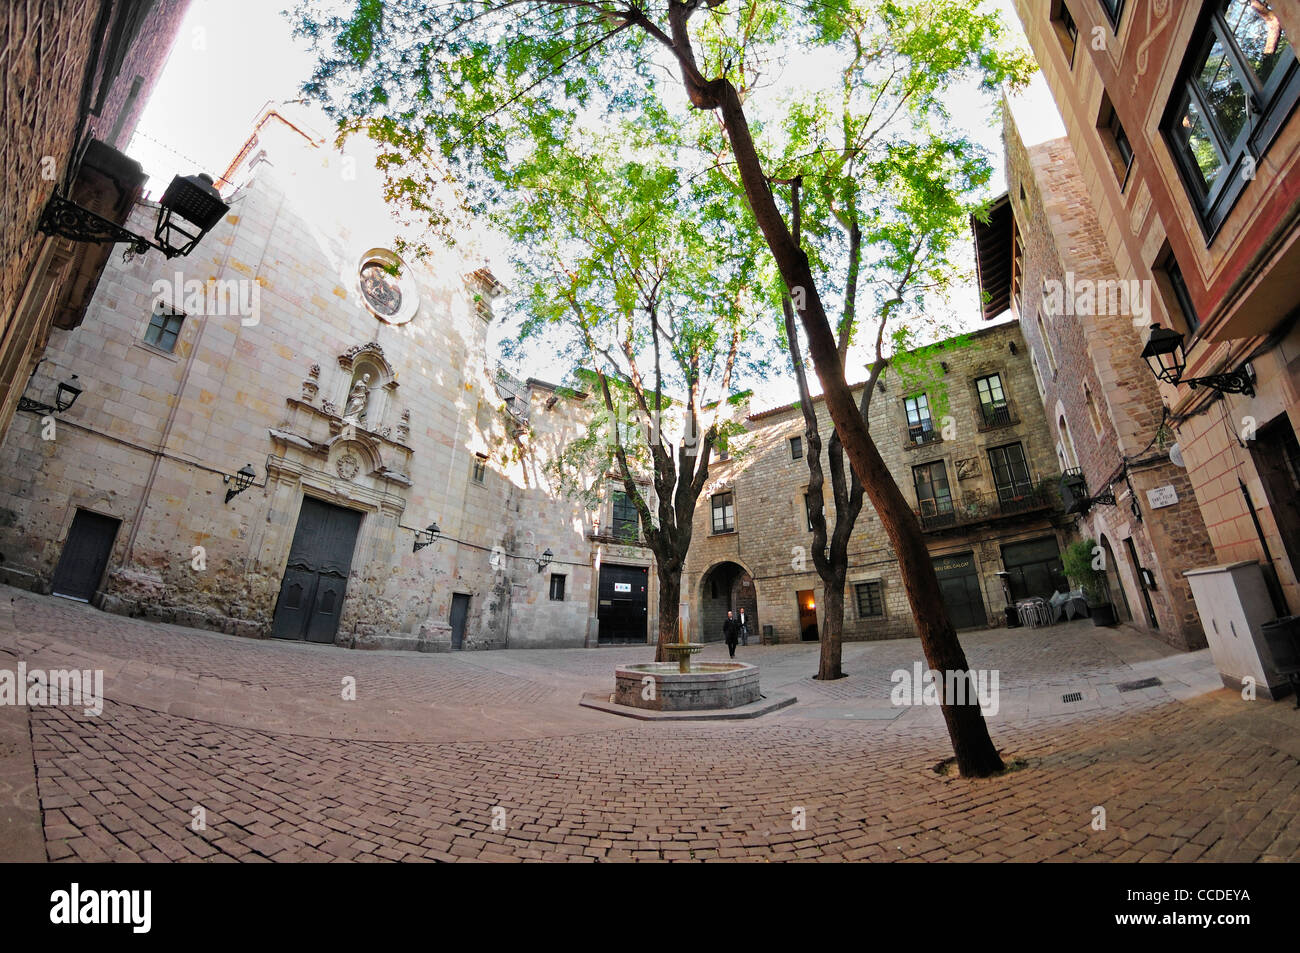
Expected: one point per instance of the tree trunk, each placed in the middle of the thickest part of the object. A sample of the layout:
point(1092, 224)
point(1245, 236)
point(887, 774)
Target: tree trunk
point(670, 591)
point(976, 755)
point(832, 628)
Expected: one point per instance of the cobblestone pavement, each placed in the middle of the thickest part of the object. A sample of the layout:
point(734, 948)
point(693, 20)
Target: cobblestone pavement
point(488, 756)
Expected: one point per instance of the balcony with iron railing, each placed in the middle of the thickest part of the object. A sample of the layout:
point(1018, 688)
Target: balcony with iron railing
point(978, 506)
point(995, 415)
point(921, 435)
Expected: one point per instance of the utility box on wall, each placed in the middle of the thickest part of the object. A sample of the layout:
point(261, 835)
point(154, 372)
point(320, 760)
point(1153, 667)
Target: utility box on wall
point(1234, 602)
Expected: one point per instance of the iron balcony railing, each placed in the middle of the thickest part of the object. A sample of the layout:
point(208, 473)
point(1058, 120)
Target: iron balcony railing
point(997, 415)
point(981, 507)
point(918, 435)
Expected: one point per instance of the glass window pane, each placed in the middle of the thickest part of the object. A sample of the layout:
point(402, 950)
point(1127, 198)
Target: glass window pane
point(1197, 143)
point(1225, 92)
point(1257, 31)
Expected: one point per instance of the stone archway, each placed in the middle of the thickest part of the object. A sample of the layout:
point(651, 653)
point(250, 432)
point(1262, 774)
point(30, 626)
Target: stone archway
point(727, 586)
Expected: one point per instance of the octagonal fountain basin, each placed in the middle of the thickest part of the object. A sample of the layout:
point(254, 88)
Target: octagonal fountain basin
point(660, 686)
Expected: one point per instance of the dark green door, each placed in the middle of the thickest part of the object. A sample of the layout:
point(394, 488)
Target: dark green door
point(959, 585)
point(316, 577)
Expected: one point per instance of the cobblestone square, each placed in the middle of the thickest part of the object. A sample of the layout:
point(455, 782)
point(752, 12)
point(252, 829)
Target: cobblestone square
point(488, 756)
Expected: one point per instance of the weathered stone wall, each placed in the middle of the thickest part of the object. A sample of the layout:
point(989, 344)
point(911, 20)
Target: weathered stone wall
point(152, 435)
point(771, 537)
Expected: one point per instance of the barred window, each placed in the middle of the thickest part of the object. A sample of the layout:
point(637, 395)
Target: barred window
point(557, 587)
point(871, 600)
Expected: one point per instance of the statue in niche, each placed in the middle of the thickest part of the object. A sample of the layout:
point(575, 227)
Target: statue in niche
point(355, 410)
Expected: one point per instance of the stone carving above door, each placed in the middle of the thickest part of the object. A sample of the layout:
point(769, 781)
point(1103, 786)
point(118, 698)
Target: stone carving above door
point(348, 466)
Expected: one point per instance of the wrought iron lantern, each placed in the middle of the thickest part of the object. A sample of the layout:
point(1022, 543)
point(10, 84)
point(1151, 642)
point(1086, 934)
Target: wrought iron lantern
point(1075, 496)
point(544, 559)
point(67, 395)
point(189, 209)
point(426, 537)
point(242, 480)
point(1165, 355)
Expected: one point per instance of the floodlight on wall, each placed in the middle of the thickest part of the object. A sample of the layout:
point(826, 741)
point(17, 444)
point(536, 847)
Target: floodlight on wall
point(67, 395)
point(189, 209)
point(426, 537)
point(242, 480)
point(1167, 359)
point(544, 559)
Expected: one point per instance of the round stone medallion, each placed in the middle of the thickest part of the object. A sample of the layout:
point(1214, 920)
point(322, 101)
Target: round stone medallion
point(348, 466)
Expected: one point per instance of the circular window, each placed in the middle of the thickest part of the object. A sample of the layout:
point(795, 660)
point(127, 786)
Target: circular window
point(386, 286)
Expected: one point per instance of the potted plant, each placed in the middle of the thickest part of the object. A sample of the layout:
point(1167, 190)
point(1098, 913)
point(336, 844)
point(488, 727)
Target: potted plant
point(1080, 564)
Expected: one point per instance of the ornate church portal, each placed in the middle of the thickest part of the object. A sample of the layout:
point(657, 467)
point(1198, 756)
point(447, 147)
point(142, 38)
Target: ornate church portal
point(316, 578)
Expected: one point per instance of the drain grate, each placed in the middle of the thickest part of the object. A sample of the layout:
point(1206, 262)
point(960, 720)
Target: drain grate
point(1140, 683)
point(1072, 697)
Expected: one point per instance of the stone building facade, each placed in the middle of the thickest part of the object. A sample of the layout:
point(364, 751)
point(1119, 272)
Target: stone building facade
point(966, 440)
point(76, 76)
point(1182, 118)
point(1043, 255)
point(357, 390)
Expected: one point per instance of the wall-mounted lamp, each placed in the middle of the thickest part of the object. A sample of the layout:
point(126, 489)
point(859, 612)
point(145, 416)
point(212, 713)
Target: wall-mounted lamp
point(189, 209)
point(544, 559)
point(944, 365)
point(1011, 346)
point(426, 537)
point(66, 397)
point(1074, 493)
point(1165, 356)
point(242, 480)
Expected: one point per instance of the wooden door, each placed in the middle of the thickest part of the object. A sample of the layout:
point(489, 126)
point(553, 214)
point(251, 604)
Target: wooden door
point(85, 555)
point(316, 577)
point(459, 613)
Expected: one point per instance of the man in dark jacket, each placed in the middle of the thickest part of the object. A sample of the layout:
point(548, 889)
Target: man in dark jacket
point(731, 632)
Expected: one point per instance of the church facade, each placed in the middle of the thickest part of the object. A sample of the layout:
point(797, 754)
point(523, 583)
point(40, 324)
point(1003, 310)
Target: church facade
point(269, 429)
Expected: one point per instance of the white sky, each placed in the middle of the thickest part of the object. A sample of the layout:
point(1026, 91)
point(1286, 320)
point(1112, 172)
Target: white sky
point(233, 56)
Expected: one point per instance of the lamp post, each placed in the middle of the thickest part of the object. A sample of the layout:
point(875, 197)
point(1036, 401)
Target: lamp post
point(189, 209)
point(67, 395)
point(426, 537)
point(242, 480)
point(1167, 359)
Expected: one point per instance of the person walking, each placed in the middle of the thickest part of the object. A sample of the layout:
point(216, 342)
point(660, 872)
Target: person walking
point(731, 632)
point(744, 629)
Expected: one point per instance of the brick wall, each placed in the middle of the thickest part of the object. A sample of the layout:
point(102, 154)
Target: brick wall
point(1097, 381)
point(46, 50)
point(1234, 277)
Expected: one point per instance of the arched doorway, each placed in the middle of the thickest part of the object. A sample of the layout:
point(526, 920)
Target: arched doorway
point(727, 586)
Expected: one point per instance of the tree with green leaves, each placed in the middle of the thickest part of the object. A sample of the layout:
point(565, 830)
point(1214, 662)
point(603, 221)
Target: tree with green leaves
point(640, 278)
point(875, 171)
point(482, 85)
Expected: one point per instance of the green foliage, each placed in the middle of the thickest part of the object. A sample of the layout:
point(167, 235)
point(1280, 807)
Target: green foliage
point(1078, 564)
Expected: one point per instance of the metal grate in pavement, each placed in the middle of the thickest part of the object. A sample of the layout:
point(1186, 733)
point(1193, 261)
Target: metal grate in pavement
point(1072, 697)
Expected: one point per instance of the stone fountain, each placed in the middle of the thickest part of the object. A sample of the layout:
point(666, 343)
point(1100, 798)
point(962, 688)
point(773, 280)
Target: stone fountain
point(681, 685)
